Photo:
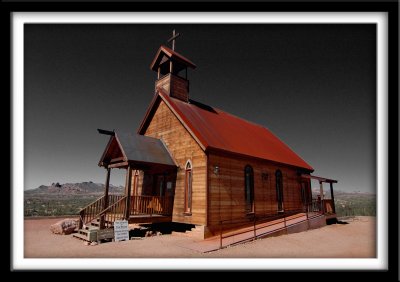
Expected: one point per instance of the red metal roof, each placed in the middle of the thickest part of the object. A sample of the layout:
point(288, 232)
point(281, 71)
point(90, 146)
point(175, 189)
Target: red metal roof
point(216, 129)
point(170, 54)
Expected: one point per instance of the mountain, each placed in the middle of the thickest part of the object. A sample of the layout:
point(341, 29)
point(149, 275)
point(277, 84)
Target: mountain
point(83, 188)
point(351, 203)
point(340, 193)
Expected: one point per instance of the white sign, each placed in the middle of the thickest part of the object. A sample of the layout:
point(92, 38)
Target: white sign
point(121, 230)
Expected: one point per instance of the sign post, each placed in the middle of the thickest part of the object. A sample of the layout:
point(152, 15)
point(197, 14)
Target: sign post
point(121, 230)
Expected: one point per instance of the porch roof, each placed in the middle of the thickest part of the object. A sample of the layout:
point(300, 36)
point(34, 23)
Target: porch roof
point(320, 179)
point(134, 148)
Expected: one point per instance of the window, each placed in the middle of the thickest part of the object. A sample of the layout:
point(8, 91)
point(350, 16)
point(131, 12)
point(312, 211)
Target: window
point(279, 189)
point(249, 188)
point(303, 193)
point(135, 183)
point(188, 187)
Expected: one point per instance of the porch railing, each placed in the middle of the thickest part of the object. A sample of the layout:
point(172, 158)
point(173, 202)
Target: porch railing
point(322, 206)
point(114, 212)
point(314, 206)
point(91, 211)
point(161, 205)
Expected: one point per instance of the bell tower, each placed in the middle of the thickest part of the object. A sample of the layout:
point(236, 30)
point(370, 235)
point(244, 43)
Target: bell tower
point(171, 68)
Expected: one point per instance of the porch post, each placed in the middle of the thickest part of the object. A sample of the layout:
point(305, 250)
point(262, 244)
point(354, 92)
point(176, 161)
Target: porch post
point(321, 192)
point(105, 202)
point(128, 192)
point(333, 198)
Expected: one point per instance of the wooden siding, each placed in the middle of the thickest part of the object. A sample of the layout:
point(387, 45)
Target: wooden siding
point(183, 147)
point(226, 196)
point(175, 86)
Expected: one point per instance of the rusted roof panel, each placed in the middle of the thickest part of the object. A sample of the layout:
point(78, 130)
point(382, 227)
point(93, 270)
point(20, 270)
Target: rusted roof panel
point(143, 149)
point(217, 129)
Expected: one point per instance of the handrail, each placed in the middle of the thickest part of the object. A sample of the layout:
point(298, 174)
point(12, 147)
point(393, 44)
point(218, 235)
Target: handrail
point(112, 213)
point(98, 199)
point(111, 196)
point(111, 206)
point(92, 210)
point(266, 219)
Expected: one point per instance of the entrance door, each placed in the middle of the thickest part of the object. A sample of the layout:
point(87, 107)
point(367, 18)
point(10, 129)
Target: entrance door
point(159, 189)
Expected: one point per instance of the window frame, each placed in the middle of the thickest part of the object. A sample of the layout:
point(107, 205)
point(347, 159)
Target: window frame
point(188, 205)
point(249, 189)
point(279, 190)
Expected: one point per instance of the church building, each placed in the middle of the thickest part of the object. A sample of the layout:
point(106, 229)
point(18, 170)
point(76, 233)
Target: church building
point(192, 163)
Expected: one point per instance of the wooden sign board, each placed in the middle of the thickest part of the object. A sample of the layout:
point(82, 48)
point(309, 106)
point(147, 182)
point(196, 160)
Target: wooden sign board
point(105, 234)
point(121, 230)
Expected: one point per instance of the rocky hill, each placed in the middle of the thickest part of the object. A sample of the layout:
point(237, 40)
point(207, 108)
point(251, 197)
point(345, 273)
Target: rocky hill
point(64, 199)
point(83, 188)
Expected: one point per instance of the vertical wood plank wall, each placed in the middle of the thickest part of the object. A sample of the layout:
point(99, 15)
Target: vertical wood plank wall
point(226, 190)
point(164, 125)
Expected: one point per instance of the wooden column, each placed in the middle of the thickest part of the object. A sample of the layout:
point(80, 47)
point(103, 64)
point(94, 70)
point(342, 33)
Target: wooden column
point(332, 197)
point(128, 185)
point(321, 192)
point(105, 202)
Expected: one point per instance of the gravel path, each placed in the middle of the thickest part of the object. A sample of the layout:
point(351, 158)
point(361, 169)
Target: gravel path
point(353, 240)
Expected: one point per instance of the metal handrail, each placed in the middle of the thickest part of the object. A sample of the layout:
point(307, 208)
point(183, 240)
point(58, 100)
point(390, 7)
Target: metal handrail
point(266, 218)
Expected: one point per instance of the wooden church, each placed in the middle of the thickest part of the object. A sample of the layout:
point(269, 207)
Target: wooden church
point(192, 163)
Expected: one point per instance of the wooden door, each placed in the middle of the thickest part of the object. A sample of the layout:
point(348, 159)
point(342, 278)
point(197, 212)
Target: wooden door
point(159, 188)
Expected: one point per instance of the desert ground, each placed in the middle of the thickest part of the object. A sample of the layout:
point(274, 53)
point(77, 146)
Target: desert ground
point(357, 239)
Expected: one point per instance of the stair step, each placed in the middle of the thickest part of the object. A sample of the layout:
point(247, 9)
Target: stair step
point(81, 236)
point(83, 231)
point(88, 235)
point(90, 228)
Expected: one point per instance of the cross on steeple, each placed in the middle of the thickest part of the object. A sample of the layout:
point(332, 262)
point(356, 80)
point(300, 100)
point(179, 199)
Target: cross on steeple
point(174, 36)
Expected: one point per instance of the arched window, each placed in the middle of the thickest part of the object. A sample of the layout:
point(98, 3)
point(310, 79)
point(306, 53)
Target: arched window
point(249, 188)
point(135, 183)
point(188, 187)
point(279, 189)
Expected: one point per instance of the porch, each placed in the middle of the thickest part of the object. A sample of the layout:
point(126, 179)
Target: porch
point(141, 209)
point(323, 204)
point(149, 202)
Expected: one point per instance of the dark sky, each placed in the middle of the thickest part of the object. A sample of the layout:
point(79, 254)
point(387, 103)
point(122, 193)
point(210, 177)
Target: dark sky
point(314, 86)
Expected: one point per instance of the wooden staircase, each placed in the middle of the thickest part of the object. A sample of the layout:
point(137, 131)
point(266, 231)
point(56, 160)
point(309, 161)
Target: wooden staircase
point(94, 217)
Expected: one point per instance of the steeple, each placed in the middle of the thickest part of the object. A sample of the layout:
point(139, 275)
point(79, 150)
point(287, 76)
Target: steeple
point(171, 68)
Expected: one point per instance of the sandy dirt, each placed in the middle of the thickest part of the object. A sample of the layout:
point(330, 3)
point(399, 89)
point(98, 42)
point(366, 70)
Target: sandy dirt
point(353, 240)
